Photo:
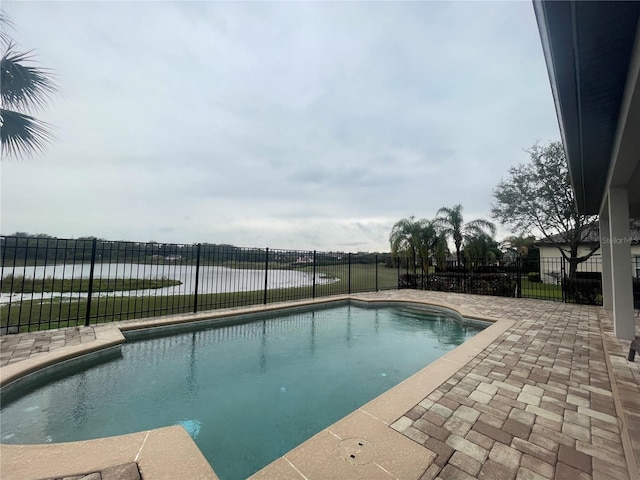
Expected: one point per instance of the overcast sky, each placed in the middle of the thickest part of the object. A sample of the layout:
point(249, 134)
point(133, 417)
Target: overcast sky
point(284, 125)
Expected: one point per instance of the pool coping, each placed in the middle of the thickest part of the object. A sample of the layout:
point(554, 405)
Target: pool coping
point(383, 452)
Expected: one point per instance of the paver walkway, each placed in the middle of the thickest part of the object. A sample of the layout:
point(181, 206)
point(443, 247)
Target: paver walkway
point(542, 401)
point(552, 398)
point(127, 471)
point(18, 347)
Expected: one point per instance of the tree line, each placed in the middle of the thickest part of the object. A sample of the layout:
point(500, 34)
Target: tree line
point(425, 238)
point(40, 249)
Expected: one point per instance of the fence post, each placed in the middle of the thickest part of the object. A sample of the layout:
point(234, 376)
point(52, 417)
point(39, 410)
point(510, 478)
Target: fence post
point(313, 289)
point(519, 276)
point(562, 282)
point(349, 273)
point(266, 274)
point(398, 260)
point(90, 289)
point(195, 295)
point(427, 284)
point(377, 290)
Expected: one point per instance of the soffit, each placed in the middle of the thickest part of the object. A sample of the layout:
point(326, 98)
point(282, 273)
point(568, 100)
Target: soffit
point(588, 47)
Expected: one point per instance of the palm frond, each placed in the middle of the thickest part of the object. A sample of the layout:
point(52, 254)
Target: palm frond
point(22, 135)
point(5, 21)
point(480, 225)
point(412, 237)
point(23, 86)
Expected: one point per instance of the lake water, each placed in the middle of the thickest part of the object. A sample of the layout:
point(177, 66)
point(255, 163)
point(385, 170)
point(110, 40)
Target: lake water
point(213, 279)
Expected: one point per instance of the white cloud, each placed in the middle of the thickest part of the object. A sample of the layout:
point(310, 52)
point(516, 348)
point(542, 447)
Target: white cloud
point(293, 125)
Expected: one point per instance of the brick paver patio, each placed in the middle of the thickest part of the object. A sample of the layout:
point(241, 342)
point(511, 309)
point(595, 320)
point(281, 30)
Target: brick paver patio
point(554, 397)
point(128, 471)
point(18, 347)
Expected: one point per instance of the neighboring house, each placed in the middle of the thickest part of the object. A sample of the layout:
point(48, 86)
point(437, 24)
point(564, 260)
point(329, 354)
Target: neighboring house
point(304, 260)
point(551, 258)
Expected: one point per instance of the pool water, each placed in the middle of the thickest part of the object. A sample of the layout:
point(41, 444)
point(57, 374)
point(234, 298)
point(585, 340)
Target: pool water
point(246, 393)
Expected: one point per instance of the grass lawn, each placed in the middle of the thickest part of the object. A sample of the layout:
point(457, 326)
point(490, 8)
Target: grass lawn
point(544, 291)
point(20, 284)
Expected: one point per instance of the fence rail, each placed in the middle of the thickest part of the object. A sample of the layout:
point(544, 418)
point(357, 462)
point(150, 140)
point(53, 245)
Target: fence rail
point(539, 278)
point(54, 283)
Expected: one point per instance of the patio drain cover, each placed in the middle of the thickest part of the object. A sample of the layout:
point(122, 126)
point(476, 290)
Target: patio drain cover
point(357, 451)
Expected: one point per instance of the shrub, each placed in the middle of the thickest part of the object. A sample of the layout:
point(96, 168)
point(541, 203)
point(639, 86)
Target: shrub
point(534, 277)
point(499, 284)
point(586, 291)
point(589, 276)
point(408, 280)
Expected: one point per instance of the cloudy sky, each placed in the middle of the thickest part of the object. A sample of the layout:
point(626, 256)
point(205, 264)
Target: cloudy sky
point(280, 124)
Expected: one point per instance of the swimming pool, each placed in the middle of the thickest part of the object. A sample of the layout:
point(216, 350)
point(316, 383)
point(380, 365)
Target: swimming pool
point(247, 393)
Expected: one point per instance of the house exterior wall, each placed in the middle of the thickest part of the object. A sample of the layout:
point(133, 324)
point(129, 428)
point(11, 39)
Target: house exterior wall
point(551, 262)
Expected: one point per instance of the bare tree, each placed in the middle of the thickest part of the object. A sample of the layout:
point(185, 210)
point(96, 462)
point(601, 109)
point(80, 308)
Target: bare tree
point(538, 198)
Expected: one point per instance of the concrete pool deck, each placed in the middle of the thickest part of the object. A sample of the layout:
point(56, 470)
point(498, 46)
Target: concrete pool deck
point(546, 392)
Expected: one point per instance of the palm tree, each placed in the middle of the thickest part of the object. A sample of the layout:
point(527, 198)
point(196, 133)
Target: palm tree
point(413, 238)
point(481, 250)
point(23, 88)
point(450, 222)
point(441, 251)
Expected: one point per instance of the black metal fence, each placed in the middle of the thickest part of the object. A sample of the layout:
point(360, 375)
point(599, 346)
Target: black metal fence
point(540, 278)
point(52, 283)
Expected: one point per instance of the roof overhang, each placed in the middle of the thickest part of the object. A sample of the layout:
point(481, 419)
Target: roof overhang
point(592, 51)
